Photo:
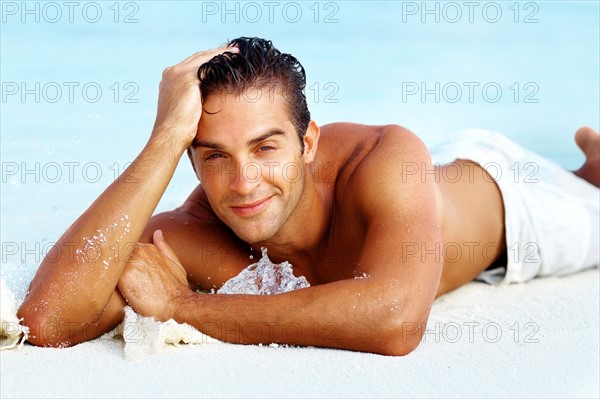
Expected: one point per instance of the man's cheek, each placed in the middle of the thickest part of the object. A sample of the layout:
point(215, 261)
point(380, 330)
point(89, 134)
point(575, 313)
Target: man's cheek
point(209, 172)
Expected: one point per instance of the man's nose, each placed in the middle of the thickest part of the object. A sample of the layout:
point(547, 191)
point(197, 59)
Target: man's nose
point(245, 177)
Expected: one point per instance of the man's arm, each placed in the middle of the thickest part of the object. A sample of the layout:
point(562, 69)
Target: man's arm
point(72, 296)
point(383, 313)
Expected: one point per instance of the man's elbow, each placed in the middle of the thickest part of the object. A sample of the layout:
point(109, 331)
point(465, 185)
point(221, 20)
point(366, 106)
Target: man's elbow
point(401, 338)
point(45, 331)
point(399, 347)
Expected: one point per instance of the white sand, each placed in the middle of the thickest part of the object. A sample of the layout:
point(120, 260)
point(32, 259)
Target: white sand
point(555, 355)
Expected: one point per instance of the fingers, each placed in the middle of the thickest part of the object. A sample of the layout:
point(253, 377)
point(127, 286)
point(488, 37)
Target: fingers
point(159, 241)
point(165, 249)
point(202, 56)
point(127, 282)
point(191, 64)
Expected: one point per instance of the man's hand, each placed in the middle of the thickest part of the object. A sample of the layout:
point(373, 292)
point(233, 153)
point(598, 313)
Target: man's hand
point(179, 100)
point(154, 280)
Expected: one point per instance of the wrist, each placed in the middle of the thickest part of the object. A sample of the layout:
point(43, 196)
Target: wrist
point(166, 139)
point(180, 307)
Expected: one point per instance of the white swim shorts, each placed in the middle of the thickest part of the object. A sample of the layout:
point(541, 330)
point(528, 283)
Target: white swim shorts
point(551, 216)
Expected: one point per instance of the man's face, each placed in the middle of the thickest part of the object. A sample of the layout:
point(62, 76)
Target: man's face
point(248, 158)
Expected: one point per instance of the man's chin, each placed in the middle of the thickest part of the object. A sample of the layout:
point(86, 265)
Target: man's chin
point(253, 238)
point(251, 233)
point(258, 229)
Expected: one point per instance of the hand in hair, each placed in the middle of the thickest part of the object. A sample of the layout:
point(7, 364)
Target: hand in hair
point(179, 99)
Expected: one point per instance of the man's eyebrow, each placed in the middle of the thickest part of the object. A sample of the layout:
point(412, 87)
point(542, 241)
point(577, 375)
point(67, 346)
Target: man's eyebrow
point(264, 136)
point(201, 143)
point(249, 143)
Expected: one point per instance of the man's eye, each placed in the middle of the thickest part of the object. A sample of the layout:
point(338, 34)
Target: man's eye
point(214, 156)
point(266, 148)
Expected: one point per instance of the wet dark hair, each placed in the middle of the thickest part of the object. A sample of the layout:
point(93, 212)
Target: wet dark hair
point(261, 66)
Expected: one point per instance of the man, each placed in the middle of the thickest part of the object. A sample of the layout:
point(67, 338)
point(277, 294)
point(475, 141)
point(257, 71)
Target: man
point(360, 211)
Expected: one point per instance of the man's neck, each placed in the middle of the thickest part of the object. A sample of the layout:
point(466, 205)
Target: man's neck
point(307, 227)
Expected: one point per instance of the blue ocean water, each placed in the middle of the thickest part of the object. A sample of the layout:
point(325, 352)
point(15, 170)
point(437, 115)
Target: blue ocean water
point(80, 82)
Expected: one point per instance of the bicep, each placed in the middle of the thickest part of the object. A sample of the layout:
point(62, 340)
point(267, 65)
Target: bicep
point(403, 232)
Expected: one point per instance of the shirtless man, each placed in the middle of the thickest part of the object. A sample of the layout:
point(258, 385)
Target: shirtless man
point(360, 211)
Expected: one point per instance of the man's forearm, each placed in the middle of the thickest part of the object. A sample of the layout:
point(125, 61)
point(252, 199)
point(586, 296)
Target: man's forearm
point(349, 314)
point(78, 276)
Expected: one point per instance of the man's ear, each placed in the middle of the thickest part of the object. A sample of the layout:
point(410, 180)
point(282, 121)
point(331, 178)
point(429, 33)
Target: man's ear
point(311, 141)
point(190, 154)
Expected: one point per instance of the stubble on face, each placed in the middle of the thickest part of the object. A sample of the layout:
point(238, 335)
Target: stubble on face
point(258, 174)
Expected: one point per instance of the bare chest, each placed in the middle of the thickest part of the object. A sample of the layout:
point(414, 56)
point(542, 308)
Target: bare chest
point(337, 257)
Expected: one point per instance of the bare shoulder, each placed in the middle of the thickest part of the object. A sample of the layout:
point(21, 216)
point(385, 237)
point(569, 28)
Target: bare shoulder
point(398, 212)
point(397, 151)
point(347, 136)
point(375, 159)
point(351, 139)
point(342, 148)
point(396, 143)
point(390, 166)
point(209, 251)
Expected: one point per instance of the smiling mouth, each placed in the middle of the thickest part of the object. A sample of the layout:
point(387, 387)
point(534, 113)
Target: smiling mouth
point(251, 209)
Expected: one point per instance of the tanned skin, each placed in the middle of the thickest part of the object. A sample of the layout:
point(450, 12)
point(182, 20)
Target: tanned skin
point(354, 212)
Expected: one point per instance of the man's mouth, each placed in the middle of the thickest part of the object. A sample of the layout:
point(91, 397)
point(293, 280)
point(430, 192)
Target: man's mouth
point(251, 209)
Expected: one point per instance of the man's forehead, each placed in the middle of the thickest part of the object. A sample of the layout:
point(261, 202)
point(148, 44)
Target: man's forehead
point(243, 118)
point(266, 98)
